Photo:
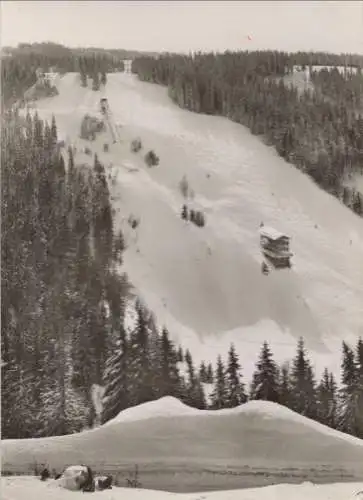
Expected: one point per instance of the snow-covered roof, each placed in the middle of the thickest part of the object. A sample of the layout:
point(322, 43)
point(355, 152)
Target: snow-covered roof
point(272, 233)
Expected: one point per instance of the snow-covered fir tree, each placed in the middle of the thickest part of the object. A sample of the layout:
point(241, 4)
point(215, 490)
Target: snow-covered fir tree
point(235, 390)
point(203, 373)
point(303, 389)
point(180, 356)
point(265, 382)
point(169, 380)
point(351, 393)
point(327, 400)
point(194, 393)
point(219, 393)
point(116, 377)
point(285, 397)
point(141, 387)
point(210, 376)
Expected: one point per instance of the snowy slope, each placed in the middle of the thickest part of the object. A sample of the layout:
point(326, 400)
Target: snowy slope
point(22, 488)
point(168, 433)
point(206, 284)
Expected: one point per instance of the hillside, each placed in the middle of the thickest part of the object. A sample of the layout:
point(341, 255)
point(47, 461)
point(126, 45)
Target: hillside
point(206, 283)
point(178, 438)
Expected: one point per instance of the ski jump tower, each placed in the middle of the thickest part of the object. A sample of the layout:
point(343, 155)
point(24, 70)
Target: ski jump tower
point(106, 112)
point(128, 66)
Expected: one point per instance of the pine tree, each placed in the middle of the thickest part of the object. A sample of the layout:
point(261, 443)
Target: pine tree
point(190, 378)
point(193, 394)
point(327, 400)
point(302, 384)
point(285, 397)
point(210, 377)
point(169, 380)
point(115, 380)
point(141, 388)
point(99, 342)
point(235, 394)
point(219, 395)
point(190, 367)
point(265, 384)
point(102, 217)
point(311, 394)
point(199, 399)
point(54, 131)
point(203, 373)
point(180, 356)
point(351, 394)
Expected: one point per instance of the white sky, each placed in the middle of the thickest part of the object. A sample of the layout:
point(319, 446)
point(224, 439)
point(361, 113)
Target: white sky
point(187, 25)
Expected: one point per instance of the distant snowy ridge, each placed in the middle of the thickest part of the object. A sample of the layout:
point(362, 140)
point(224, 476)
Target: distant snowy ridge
point(169, 406)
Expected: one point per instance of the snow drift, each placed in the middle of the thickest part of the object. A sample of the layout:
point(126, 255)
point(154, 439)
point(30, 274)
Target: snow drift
point(169, 406)
point(257, 433)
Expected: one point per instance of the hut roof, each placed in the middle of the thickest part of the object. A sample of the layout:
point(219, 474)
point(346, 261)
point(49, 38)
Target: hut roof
point(271, 233)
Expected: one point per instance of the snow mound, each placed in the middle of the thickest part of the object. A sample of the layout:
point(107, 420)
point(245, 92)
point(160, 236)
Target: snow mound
point(170, 435)
point(167, 406)
point(269, 410)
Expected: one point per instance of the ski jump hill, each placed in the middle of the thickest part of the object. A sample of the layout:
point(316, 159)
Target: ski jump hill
point(205, 284)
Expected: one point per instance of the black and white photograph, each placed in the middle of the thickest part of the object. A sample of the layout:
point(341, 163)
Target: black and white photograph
point(181, 250)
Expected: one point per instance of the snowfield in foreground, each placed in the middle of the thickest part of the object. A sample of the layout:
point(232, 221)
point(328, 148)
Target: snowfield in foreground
point(206, 283)
point(23, 488)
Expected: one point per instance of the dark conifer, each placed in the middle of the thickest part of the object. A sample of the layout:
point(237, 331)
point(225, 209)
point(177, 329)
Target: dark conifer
point(235, 393)
point(265, 383)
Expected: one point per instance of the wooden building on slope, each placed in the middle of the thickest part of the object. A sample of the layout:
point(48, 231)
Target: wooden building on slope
point(275, 247)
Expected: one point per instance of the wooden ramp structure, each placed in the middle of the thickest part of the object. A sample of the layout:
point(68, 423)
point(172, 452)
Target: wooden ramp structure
point(127, 66)
point(108, 116)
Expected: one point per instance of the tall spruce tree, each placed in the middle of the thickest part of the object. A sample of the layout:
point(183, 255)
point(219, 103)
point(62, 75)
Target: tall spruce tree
point(303, 390)
point(180, 356)
point(141, 384)
point(327, 400)
point(116, 382)
point(265, 383)
point(351, 393)
point(285, 396)
point(194, 393)
point(169, 379)
point(203, 373)
point(235, 393)
point(219, 394)
point(210, 377)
